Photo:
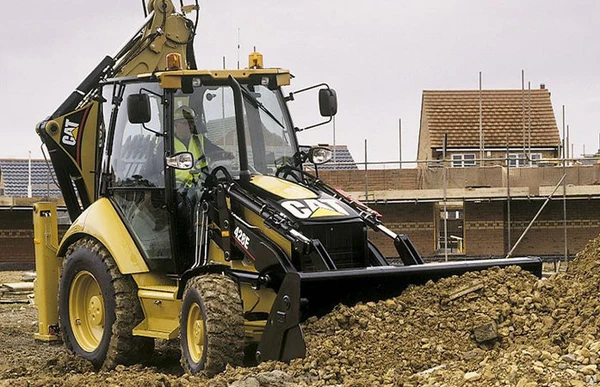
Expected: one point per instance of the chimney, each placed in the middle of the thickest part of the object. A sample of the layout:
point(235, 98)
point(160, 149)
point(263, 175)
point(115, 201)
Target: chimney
point(542, 86)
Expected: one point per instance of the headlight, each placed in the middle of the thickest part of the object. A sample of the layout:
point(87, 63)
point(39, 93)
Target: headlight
point(319, 155)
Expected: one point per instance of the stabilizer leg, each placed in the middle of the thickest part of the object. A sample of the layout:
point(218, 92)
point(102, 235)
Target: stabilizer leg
point(47, 267)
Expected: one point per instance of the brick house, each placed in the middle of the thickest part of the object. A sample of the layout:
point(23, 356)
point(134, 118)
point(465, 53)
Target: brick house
point(477, 204)
point(520, 123)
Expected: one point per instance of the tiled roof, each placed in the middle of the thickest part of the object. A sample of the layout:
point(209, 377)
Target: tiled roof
point(15, 176)
point(457, 114)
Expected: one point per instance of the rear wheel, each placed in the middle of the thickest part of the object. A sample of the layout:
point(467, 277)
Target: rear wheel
point(212, 325)
point(98, 308)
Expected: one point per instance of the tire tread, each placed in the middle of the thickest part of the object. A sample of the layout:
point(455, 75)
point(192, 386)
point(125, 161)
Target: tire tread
point(123, 347)
point(224, 323)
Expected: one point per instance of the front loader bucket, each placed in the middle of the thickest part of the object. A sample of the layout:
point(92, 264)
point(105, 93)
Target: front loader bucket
point(321, 291)
point(302, 295)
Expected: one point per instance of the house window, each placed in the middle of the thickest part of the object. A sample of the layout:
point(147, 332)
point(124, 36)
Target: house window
point(535, 158)
point(463, 160)
point(517, 160)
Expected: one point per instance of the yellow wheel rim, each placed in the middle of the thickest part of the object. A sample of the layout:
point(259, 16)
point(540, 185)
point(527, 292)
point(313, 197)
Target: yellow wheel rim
point(195, 332)
point(86, 311)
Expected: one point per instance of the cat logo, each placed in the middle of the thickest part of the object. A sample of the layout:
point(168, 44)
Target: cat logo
point(70, 133)
point(314, 208)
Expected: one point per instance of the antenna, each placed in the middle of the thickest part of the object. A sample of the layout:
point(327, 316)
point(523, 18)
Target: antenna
point(144, 8)
point(238, 49)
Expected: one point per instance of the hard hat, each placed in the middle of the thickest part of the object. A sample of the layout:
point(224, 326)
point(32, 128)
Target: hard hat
point(184, 113)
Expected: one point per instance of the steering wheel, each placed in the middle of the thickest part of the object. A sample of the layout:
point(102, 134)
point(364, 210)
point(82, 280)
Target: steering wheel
point(213, 179)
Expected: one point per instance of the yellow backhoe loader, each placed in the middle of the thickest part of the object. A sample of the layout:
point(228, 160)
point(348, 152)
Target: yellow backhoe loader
point(220, 239)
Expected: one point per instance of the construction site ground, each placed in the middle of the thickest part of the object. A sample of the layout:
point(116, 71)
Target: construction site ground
point(494, 328)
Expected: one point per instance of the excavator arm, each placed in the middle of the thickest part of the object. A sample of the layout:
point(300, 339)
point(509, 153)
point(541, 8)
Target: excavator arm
point(74, 133)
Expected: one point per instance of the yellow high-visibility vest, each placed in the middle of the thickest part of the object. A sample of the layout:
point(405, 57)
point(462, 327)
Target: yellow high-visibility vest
point(196, 148)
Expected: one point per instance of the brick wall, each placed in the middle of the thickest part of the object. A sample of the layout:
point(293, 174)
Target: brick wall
point(415, 220)
point(484, 228)
point(16, 239)
point(546, 236)
point(378, 179)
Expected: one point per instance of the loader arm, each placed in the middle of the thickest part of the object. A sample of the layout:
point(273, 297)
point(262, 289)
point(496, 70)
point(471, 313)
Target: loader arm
point(74, 134)
point(312, 277)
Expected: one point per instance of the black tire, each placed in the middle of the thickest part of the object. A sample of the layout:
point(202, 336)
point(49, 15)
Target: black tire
point(212, 303)
point(110, 308)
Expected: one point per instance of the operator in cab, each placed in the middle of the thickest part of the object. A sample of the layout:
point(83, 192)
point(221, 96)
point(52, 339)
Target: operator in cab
point(190, 136)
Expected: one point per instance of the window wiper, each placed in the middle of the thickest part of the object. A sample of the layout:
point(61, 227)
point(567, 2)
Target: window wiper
point(257, 104)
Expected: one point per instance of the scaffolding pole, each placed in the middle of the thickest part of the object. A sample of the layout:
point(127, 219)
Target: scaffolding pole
point(366, 173)
point(565, 190)
point(508, 195)
point(535, 217)
point(481, 144)
point(523, 109)
point(445, 200)
point(400, 142)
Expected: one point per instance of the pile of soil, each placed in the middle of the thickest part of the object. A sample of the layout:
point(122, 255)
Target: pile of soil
point(494, 328)
point(546, 333)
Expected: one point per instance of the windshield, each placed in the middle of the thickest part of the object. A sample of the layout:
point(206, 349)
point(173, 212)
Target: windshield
point(205, 125)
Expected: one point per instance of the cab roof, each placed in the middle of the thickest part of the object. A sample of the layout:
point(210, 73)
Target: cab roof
point(172, 79)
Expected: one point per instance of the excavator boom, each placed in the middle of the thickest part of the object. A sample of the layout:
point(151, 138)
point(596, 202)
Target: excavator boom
point(73, 134)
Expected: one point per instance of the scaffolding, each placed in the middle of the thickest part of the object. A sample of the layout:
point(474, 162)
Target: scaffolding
point(438, 181)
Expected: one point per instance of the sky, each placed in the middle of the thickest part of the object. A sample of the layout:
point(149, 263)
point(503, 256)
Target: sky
point(378, 55)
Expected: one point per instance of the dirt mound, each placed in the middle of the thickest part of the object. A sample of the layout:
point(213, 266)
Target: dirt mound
point(541, 332)
point(498, 327)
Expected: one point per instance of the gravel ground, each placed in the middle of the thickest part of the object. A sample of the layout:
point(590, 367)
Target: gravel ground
point(494, 328)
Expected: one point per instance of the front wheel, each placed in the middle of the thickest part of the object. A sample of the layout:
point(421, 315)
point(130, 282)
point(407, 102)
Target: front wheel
point(212, 325)
point(98, 308)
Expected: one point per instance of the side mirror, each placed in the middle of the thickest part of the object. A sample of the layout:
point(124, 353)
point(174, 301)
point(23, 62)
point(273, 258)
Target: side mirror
point(181, 160)
point(138, 108)
point(327, 102)
point(319, 155)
